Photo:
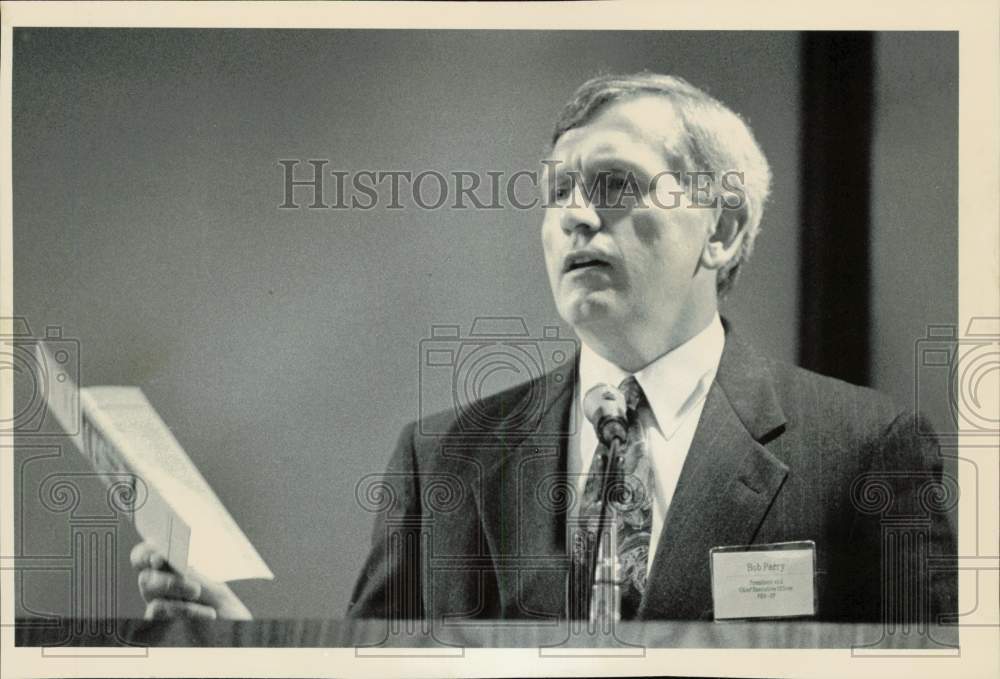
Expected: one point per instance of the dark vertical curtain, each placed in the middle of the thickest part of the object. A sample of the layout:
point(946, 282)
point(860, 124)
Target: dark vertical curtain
point(837, 102)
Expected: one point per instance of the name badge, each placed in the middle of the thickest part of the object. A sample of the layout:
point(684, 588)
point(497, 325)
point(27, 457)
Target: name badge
point(776, 580)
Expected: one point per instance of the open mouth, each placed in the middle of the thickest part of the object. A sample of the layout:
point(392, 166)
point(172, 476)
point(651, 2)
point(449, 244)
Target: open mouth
point(582, 261)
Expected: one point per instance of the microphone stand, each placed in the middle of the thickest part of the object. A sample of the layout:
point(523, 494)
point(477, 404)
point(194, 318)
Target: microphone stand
point(605, 407)
point(605, 597)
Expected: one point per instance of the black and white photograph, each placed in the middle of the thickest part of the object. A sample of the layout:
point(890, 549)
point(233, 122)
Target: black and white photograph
point(590, 340)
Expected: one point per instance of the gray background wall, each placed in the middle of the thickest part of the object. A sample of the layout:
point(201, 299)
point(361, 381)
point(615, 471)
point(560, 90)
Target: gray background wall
point(283, 347)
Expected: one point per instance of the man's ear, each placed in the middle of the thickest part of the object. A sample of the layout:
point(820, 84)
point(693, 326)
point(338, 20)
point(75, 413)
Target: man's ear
point(726, 239)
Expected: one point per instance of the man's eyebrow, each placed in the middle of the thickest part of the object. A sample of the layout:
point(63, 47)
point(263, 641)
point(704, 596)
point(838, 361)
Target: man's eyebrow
point(554, 166)
point(638, 163)
point(613, 158)
point(635, 159)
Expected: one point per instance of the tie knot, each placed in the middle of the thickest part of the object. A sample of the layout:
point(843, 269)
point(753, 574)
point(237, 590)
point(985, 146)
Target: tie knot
point(634, 396)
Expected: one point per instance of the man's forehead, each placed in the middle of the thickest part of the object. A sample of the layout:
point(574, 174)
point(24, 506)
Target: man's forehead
point(641, 124)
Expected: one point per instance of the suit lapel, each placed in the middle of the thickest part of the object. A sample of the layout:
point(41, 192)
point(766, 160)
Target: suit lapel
point(728, 482)
point(523, 515)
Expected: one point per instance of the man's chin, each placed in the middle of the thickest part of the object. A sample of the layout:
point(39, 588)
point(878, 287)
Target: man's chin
point(591, 309)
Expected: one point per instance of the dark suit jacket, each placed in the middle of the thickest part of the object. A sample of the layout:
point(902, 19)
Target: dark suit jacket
point(471, 511)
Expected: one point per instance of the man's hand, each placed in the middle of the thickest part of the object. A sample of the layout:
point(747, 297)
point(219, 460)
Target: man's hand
point(169, 594)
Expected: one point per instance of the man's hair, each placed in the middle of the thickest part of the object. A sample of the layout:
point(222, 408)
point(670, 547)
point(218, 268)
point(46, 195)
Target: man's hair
point(716, 140)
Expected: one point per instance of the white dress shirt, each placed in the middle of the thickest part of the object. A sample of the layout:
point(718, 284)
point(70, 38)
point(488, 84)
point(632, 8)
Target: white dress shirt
point(675, 386)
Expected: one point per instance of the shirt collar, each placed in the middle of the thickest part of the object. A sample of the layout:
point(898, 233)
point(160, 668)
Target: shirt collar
point(673, 383)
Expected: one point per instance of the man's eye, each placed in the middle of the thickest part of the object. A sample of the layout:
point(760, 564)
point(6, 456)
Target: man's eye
point(615, 182)
point(609, 180)
point(610, 188)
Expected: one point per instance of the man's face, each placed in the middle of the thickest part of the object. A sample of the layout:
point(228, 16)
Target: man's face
point(629, 262)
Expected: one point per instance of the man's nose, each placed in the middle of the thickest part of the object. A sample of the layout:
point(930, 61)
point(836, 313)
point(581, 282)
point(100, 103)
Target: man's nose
point(578, 213)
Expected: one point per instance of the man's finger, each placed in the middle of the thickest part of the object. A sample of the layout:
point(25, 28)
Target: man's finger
point(139, 556)
point(162, 609)
point(161, 585)
point(145, 555)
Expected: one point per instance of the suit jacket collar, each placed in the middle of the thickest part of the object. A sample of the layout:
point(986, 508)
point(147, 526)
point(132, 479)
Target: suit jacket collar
point(747, 383)
point(727, 483)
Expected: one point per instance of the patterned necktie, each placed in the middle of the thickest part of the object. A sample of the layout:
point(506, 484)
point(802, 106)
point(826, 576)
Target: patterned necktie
point(631, 506)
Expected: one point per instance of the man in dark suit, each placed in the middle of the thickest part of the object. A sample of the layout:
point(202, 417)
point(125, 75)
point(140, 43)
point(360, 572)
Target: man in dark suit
point(655, 197)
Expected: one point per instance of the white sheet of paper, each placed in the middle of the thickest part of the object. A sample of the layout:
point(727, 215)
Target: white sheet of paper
point(141, 443)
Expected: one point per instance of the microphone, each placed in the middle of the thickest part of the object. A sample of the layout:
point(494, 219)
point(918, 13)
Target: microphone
point(605, 407)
